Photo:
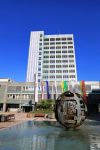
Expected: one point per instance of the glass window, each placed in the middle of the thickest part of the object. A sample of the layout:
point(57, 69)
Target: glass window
point(52, 71)
point(65, 76)
point(52, 66)
point(88, 87)
point(40, 44)
point(39, 63)
point(64, 47)
point(65, 66)
point(69, 39)
point(71, 61)
point(39, 58)
point(52, 43)
point(46, 61)
point(63, 39)
point(58, 76)
point(52, 76)
point(58, 66)
point(40, 39)
point(57, 39)
point(46, 52)
point(70, 56)
point(72, 76)
point(52, 56)
point(58, 42)
point(46, 47)
point(45, 66)
point(64, 56)
point(70, 51)
point(70, 46)
point(58, 71)
point(39, 74)
point(52, 61)
point(64, 61)
point(45, 71)
point(45, 77)
point(38, 80)
point(65, 71)
point(64, 42)
point(58, 51)
point(52, 47)
point(45, 56)
point(58, 61)
point(39, 69)
point(40, 35)
point(72, 71)
point(52, 39)
point(52, 52)
point(46, 43)
point(40, 53)
point(58, 47)
point(40, 48)
point(71, 66)
point(70, 42)
point(64, 51)
point(58, 56)
point(47, 39)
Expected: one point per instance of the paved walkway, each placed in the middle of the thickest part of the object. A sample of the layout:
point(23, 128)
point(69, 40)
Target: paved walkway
point(19, 118)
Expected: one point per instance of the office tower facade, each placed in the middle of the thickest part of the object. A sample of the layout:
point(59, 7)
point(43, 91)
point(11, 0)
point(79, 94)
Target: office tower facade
point(51, 57)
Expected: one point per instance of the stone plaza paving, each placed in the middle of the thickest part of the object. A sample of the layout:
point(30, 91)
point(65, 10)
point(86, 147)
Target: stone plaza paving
point(19, 118)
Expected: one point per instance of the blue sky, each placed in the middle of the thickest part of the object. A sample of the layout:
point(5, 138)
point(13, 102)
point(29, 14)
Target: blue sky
point(19, 17)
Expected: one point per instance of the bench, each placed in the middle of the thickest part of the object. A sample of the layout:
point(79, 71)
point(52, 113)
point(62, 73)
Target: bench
point(6, 117)
point(39, 115)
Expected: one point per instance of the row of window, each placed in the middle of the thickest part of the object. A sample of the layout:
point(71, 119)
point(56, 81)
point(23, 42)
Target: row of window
point(59, 71)
point(57, 43)
point(20, 96)
point(57, 61)
point(19, 88)
point(53, 52)
point(58, 39)
point(59, 76)
point(58, 47)
point(58, 66)
point(59, 56)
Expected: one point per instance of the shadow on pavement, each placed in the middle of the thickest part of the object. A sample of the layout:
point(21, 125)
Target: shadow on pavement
point(95, 117)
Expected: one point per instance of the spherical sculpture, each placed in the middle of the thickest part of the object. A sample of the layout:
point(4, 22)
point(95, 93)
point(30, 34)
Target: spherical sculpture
point(70, 109)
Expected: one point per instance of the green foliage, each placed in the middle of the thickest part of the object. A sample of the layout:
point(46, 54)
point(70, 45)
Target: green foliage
point(45, 111)
point(45, 104)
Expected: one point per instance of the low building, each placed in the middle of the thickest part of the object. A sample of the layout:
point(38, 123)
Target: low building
point(20, 95)
point(16, 96)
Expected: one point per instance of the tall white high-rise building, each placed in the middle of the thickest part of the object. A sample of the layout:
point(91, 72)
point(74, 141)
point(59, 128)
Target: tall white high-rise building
point(51, 57)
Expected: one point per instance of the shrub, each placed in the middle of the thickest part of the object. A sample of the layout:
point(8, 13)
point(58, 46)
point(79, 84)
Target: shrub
point(45, 104)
